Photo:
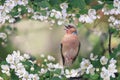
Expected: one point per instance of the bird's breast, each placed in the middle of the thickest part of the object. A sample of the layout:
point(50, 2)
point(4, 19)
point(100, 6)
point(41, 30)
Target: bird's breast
point(70, 39)
point(70, 42)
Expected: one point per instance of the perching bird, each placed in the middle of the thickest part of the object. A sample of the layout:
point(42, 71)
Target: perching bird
point(70, 45)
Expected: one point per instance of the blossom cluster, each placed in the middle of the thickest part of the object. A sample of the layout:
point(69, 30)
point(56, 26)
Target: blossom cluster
point(7, 7)
point(3, 37)
point(110, 71)
point(90, 17)
point(87, 67)
point(114, 11)
point(55, 16)
point(15, 63)
point(114, 22)
point(58, 15)
point(38, 16)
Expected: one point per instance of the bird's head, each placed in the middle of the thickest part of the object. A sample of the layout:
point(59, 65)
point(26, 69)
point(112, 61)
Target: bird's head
point(70, 29)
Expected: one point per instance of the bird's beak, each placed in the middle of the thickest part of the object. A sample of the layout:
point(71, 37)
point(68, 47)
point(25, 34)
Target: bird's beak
point(66, 27)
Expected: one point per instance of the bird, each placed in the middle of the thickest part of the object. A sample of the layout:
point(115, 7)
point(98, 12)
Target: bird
point(70, 45)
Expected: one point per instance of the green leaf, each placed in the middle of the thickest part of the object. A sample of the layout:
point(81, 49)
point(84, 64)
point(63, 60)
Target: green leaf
point(57, 71)
point(54, 2)
point(3, 63)
point(4, 76)
point(55, 78)
point(13, 76)
point(24, 10)
point(97, 7)
point(77, 4)
point(118, 78)
point(2, 2)
point(112, 30)
point(85, 11)
point(108, 2)
point(37, 68)
point(44, 4)
point(88, 1)
point(86, 76)
point(27, 65)
point(96, 64)
point(43, 12)
point(79, 24)
point(94, 77)
point(110, 6)
point(47, 75)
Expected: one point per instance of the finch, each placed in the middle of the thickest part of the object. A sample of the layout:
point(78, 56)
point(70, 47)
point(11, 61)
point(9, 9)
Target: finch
point(70, 45)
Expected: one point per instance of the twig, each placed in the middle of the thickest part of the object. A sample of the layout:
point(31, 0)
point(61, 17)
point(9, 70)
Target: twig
point(75, 78)
point(109, 44)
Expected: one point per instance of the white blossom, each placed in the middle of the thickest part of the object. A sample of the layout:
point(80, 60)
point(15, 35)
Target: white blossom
point(5, 69)
point(97, 69)
point(58, 15)
point(112, 69)
point(50, 58)
point(103, 60)
point(30, 10)
point(19, 9)
point(32, 68)
point(88, 18)
point(90, 70)
point(26, 56)
point(43, 71)
point(91, 12)
point(11, 20)
point(3, 35)
point(100, 2)
point(45, 60)
point(21, 72)
point(64, 5)
point(50, 65)
point(105, 74)
point(116, 3)
point(34, 76)
point(26, 76)
point(71, 73)
point(60, 22)
point(10, 59)
point(92, 57)
point(84, 64)
point(113, 61)
point(58, 66)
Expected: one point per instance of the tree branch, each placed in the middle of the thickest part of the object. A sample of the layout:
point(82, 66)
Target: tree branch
point(109, 44)
point(75, 78)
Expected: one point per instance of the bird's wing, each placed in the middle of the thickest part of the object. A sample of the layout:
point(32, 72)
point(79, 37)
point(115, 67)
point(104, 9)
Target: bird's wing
point(77, 52)
point(63, 60)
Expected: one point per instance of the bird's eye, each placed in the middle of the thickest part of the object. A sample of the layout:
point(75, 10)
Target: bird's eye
point(69, 26)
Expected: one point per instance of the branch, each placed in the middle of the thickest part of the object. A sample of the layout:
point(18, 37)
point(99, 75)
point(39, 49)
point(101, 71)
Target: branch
point(75, 78)
point(109, 44)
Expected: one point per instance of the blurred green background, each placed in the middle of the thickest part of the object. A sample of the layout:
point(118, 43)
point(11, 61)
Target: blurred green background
point(38, 38)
